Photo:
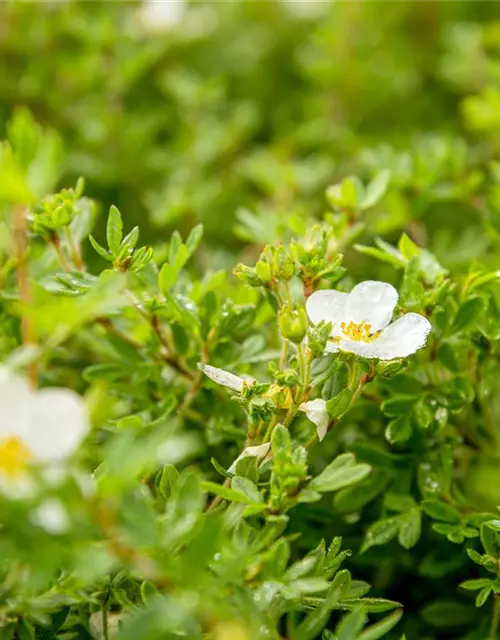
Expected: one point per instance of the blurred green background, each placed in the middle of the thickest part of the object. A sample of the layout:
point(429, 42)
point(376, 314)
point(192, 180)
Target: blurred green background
point(238, 114)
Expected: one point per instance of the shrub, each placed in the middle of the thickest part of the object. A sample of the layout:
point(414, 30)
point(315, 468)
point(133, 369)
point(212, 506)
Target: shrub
point(278, 419)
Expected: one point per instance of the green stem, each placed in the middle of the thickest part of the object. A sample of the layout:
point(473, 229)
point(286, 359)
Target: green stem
point(75, 251)
point(56, 243)
point(284, 353)
point(302, 366)
point(105, 620)
point(269, 430)
point(495, 617)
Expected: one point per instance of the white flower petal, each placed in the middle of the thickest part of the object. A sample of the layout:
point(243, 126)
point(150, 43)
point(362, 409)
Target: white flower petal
point(326, 305)
point(359, 347)
point(403, 337)
point(258, 451)
point(399, 340)
point(371, 302)
point(58, 424)
point(157, 15)
point(15, 399)
point(316, 412)
point(51, 516)
point(220, 376)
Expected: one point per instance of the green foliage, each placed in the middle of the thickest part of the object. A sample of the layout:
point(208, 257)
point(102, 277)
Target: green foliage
point(263, 155)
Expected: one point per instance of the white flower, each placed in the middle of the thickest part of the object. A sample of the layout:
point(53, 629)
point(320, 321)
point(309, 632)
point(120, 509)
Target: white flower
point(159, 15)
point(226, 379)
point(259, 451)
point(52, 516)
point(360, 321)
point(37, 428)
point(316, 412)
point(303, 9)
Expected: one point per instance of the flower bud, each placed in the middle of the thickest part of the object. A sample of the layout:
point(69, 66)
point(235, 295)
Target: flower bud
point(247, 275)
point(281, 396)
point(293, 323)
point(389, 368)
point(283, 266)
point(263, 270)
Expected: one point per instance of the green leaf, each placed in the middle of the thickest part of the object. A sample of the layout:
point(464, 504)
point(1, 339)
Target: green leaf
point(314, 622)
point(301, 568)
point(104, 253)
point(373, 605)
point(490, 539)
point(381, 532)
point(342, 472)
point(482, 596)
point(181, 257)
point(7, 630)
point(167, 277)
point(175, 243)
point(381, 628)
point(441, 511)
point(338, 405)
point(220, 469)
point(280, 440)
point(167, 480)
point(130, 240)
point(411, 528)
point(380, 254)
point(484, 279)
point(475, 585)
point(399, 430)
point(310, 585)
point(351, 624)
point(352, 499)
point(58, 619)
point(399, 502)
point(468, 314)
point(248, 467)
point(114, 230)
point(399, 404)
point(376, 189)
point(194, 239)
point(225, 492)
point(494, 525)
point(148, 591)
point(448, 613)
point(407, 247)
point(349, 193)
point(248, 488)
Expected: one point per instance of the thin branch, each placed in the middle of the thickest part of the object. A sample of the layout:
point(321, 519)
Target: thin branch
point(27, 324)
point(56, 243)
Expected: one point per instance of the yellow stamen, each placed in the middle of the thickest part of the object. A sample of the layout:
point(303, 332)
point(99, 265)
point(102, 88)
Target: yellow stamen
point(14, 456)
point(359, 332)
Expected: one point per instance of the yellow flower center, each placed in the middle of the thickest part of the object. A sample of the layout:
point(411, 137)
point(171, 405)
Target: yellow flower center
point(360, 332)
point(14, 456)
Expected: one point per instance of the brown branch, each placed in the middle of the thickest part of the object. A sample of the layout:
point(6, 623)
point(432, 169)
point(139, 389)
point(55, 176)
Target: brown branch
point(27, 324)
point(55, 241)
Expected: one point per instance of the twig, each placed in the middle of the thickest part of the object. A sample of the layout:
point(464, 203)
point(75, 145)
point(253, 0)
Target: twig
point(56, 243)
point(166, 358)
point(218, 499)
point(76, 253)
point(27, 324)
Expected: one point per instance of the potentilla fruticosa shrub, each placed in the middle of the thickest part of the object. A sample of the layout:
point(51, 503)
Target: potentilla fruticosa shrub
point(217, 456)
